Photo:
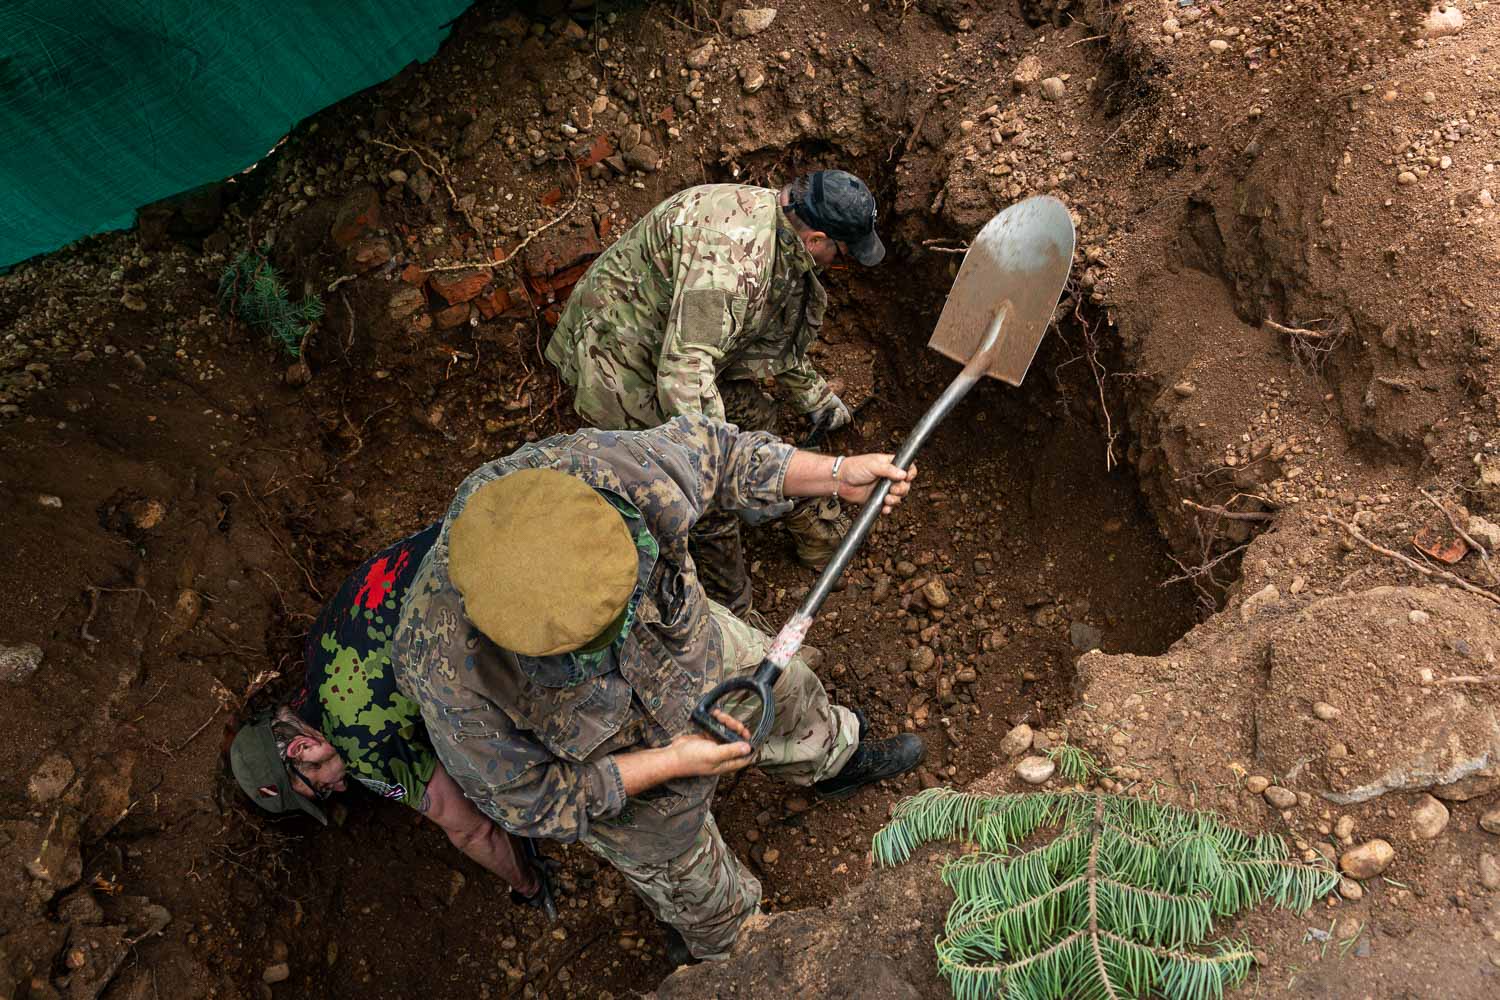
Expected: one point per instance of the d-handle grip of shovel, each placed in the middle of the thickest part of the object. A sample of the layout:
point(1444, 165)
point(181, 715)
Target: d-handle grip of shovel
point(758, 684)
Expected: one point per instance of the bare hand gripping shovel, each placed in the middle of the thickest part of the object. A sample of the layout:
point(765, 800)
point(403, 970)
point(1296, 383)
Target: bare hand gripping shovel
point(996, 315)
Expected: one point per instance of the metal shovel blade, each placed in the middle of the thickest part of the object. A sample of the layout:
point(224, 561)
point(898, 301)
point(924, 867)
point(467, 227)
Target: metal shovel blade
point(1021, 256)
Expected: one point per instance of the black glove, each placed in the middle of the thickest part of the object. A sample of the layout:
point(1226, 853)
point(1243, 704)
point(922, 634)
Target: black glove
point(544, 867)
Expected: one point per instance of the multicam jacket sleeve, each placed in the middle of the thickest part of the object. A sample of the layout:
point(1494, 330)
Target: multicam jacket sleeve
point(538, 758)
point(806, 390)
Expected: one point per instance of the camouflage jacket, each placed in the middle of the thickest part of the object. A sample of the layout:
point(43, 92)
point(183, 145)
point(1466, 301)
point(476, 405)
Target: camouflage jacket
point(532, 746)
point(711, 283)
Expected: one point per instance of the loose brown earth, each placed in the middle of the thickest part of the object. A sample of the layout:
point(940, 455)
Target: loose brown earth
point(209, 501)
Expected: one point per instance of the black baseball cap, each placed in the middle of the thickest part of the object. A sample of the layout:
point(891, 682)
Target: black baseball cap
point(841, 205)
point(257, 763)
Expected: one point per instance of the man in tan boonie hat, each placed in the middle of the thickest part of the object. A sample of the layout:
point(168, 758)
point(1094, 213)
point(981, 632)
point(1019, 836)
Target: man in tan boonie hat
point(570, 563)
point(556, 638)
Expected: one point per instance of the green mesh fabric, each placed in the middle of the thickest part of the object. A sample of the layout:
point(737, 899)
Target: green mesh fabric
point(108, 105)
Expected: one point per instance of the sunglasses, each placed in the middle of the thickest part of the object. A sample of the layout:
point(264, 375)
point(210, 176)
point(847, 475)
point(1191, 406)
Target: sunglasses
point(320, 792)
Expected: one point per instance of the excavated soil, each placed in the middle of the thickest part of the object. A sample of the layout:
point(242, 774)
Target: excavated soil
point(1269, 327)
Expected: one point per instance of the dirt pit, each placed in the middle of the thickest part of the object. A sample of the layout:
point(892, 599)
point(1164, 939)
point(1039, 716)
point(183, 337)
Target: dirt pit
point(1040, 554)
point(181, 500)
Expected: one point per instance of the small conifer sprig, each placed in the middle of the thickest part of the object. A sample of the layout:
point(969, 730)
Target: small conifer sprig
point(1075, 763)
point(254, 292)
point(1120, 903)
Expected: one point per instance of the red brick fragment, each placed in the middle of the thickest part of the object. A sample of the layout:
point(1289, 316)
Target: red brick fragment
point(358, 213)
point(460, 286)
point(452, 316)
point(493, 303)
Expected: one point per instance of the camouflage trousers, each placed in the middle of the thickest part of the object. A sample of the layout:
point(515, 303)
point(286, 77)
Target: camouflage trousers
point(715, 541)
point(705, 892)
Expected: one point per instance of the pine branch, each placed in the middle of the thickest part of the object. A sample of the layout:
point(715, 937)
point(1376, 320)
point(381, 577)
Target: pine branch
point(1120, 903)
point(1075, 763)
point(251, 289)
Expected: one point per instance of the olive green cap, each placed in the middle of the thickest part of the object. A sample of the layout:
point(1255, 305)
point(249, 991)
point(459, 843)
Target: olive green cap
point(544, 563)
point(256, 763)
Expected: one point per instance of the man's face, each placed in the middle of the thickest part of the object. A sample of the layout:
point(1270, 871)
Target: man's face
point(313, 760)
point(824, 248)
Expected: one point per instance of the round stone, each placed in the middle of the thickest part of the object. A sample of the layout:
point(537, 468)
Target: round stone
point(1035, 770)
point(1280, 798)
point(1429, 818)
point(1368, 859)
point(1018, 740)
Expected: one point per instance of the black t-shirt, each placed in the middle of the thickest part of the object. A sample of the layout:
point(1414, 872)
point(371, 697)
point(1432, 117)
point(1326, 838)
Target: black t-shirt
point(357, 706)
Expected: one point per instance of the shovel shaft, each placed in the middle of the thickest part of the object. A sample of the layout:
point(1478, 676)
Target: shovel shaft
point(792, 634)
point(957, 390)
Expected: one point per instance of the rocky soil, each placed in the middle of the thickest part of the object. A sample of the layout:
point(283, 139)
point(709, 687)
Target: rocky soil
point(1233, 536)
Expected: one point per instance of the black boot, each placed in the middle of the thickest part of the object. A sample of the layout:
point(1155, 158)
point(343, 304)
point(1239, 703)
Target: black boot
point(678, 952)
point(872, 762)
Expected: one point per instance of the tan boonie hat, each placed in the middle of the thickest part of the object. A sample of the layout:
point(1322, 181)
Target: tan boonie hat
point(543, 562)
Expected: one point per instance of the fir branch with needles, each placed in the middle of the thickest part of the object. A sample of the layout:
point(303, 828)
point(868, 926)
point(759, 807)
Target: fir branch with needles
point(1075, 763)
point(1121, 902)
point(252, 290)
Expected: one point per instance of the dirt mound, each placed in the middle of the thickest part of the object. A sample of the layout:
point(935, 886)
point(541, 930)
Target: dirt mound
point(1270, 324)
point(1416, 716)
point(1227, 720)
point(874, 941)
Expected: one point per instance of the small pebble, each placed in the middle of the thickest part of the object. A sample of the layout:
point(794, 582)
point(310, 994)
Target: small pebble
point(1406, 178)
point(1018, 740)
point(1351, 890)
point(1418, 617)
point(935, 594)
point(1035, 770)
point(1053, 88)
point(1280, 798)
point(1219, 45)
point(1256, 785)
point(1490, 821)
point(1368, 859)
point(1429, 818)
point(1489, 871)
point(1325, 711)
point(278, 973)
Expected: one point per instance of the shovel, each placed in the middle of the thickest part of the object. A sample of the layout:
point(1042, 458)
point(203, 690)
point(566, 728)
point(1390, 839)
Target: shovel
point(993, 322)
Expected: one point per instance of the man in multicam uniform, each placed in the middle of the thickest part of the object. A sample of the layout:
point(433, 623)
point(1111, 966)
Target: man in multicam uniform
point(348, 721)
point(557, 639)
point(708, 296)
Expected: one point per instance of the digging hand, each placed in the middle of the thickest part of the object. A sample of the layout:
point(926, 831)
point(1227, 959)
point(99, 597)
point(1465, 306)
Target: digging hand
point(833, 414)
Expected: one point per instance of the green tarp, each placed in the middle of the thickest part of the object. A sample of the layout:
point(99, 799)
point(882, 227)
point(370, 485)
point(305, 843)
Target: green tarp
point(108, 105)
